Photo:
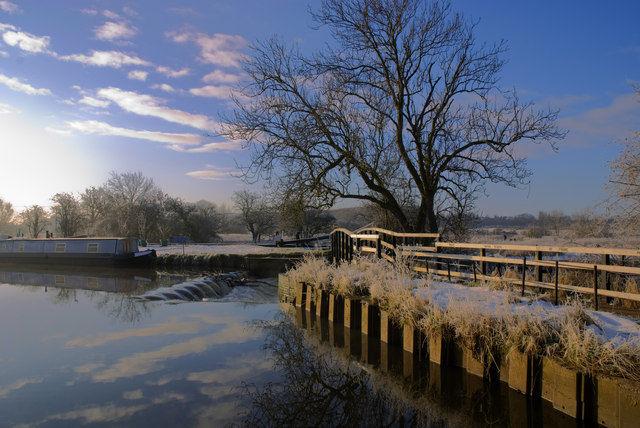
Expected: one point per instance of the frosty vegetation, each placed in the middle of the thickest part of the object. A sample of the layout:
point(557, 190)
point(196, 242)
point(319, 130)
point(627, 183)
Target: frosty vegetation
point(492, 322)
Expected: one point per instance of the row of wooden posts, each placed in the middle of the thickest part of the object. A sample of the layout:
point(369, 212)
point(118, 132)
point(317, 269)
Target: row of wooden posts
point(609, 402)
point(473, 261)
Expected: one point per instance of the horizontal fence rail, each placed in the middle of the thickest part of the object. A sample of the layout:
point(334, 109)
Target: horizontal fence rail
point(592, 271)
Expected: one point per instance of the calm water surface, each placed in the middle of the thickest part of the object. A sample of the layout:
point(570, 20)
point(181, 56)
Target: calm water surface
point(76, 349)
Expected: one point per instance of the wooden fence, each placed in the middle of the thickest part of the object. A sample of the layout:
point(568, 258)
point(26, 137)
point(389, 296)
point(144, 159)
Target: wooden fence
point(592, 271)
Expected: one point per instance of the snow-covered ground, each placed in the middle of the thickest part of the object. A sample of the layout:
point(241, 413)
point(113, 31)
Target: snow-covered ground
point(238, 248)
point(609, 327)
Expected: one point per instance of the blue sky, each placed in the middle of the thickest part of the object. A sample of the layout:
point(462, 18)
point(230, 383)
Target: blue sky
point(88, 87)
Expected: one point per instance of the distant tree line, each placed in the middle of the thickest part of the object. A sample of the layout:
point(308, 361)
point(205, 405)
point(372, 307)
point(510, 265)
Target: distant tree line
point(130, 204)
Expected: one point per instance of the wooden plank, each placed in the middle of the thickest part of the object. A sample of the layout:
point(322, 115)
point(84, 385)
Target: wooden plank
point(629, 270)
point(364, 237)
point(543, 248)
point(387, 245)
point(535, 284)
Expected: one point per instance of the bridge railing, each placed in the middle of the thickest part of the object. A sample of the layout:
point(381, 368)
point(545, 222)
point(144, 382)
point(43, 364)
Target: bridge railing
point(599, 272)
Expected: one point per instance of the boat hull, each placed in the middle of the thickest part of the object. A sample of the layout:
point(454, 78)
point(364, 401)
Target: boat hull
point(77, 251)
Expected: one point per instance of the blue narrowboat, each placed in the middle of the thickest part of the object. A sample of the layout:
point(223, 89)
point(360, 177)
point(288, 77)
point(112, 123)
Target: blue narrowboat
point(75, 251)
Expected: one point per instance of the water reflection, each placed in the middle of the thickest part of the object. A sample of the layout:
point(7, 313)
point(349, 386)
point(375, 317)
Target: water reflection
point(68, 364)
point(109, 289)
point(332, 376)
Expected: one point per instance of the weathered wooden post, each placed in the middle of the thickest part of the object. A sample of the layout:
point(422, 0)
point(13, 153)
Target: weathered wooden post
point(557, 263)
point(524, 272)
point(483, 268)
point(539, 268)
point(606, 278)
point(595, 286)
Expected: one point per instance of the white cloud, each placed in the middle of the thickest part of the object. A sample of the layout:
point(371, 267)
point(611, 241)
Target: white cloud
point(14, 84)
point(146, 105)
point(112, 59)
point(101, 128)
point(7, 109)
point(220, 49)
point(129, 11)
point(214, 147)
point(606, 124)
point(55, 131)
point(94, 102)
point(209, 175)
point(111, 15)
point(108, 413)
point(113, 31)
point(164, 87)
point(150, 361)
point(218, 76)
point(566, 100)
point(5, 390)
point(169, 72)
point(133, 395)
point(161, 329)
point(210, 91)
point(8, 7)
point(26, 41)
point(138, 75)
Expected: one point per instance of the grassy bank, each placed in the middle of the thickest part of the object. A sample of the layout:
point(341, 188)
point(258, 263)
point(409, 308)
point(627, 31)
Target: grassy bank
point(490, 321)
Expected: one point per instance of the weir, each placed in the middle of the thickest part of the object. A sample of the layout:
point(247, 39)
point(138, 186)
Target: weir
point(591, 398)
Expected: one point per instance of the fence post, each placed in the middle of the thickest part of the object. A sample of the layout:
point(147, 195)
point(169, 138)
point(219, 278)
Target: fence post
point(595, 285)
point(524, 272)
point(557, 263)
point(605, 274)
point(395, 248)
point(379, 246)
point(539, 268)
point(483, 269)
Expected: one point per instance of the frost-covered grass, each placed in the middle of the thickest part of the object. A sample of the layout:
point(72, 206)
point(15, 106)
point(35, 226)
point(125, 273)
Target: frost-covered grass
point(491, 322)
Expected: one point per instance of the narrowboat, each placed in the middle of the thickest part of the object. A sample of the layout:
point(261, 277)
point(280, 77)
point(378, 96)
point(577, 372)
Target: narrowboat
point(75, 251)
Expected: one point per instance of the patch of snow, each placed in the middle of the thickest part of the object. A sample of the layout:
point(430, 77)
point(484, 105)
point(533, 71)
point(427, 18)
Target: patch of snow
point(240, 249)
point(484, 300)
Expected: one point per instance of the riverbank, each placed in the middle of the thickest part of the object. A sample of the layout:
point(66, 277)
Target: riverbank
point(567, 355)
point(256, 259)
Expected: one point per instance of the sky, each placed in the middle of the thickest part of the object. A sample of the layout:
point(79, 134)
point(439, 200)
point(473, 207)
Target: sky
point(93, 87)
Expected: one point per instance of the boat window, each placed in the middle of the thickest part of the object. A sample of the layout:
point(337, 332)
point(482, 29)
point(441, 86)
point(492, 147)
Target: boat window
point(92, 247)
point(21, 247)
point(92, 282)
point(59, 279)
point(61, 247)
point(4, 246)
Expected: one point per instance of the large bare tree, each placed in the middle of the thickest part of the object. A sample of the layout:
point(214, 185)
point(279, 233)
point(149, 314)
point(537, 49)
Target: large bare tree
point(402, 111)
